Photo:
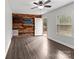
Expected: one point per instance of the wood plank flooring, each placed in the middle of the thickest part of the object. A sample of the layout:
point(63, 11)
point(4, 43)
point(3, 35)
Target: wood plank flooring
point(39, 47)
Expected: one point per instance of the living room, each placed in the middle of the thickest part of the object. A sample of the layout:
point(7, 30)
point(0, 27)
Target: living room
point(24, 19)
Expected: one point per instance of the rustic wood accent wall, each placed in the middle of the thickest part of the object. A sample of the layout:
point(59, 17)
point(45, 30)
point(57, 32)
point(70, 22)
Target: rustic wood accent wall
point(24, 29)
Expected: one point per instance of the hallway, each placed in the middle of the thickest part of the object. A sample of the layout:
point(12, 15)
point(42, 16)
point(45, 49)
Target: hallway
point(38, 47)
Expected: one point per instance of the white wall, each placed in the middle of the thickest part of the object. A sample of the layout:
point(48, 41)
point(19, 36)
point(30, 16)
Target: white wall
point(51, 18)
point(8, 26)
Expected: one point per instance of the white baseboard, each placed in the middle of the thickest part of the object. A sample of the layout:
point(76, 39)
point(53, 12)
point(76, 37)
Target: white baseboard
point(6, 50)
point(68, 45)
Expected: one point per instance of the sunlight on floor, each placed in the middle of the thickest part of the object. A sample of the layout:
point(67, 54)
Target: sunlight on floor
point(45, 45)
point(62, 55)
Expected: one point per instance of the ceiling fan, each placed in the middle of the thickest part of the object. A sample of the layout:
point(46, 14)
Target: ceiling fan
point(41, 4)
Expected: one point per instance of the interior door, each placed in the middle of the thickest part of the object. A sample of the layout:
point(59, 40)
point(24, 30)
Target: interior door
point(38, 26)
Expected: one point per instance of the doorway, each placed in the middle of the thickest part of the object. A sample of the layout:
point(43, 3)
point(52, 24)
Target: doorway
point(41, 26)
point(45, 27)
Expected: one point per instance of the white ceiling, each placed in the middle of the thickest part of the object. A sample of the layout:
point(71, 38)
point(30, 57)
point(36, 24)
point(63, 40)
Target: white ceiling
point(24, 6)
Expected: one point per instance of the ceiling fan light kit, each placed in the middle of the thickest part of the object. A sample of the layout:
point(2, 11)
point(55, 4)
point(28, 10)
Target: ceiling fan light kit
point(40, 7)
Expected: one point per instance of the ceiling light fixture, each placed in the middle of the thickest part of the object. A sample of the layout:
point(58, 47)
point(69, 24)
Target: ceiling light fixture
point(40, 7)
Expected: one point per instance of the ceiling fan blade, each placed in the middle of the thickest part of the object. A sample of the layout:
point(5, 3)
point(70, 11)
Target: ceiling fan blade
point(40, 2)
point(47, 1)
point(34, 7)
point(48, 6)
point(35, 3)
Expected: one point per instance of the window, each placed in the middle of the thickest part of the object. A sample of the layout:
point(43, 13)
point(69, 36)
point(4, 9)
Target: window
point(64, 25)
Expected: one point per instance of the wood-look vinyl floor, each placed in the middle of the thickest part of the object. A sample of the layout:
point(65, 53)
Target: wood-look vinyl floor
point(39, 47)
